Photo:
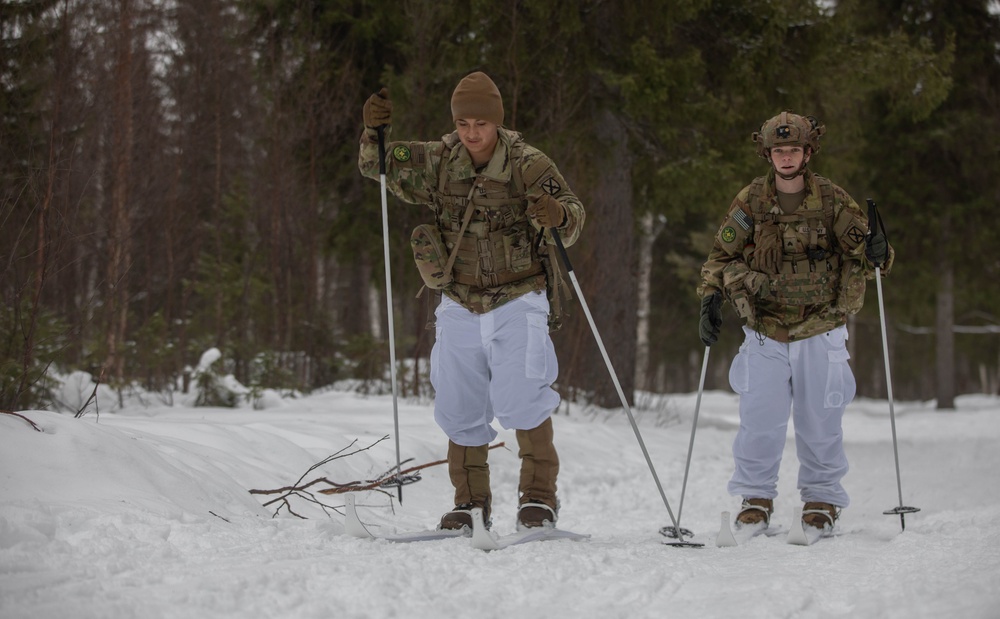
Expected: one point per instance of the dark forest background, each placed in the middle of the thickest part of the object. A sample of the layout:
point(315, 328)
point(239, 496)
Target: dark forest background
point(177, 175)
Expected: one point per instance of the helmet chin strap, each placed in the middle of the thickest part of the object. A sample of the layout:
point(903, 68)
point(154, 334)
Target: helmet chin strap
point(797, 173)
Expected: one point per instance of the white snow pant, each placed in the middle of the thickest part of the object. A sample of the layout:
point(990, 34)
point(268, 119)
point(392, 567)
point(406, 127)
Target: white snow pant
point(813, 379)
point(501, 364)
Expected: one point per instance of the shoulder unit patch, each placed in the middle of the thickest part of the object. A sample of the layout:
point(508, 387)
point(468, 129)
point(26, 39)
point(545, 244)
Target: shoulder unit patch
point(401, 153)
point(551, 186)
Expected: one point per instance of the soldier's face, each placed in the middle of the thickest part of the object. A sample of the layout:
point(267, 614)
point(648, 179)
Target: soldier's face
point(479, 137)
point(788, 159)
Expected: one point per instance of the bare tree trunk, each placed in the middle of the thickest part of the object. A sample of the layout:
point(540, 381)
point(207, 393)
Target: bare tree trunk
point(944, 325)
point(651, 226)
point(119, 237)
point(220, 318)
point(42, 233)
point(609, 278)
point(311, 257)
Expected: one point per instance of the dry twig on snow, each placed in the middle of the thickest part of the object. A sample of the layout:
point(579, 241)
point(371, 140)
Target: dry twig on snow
point(300, 488)
point(387, 477)
point(32, 423)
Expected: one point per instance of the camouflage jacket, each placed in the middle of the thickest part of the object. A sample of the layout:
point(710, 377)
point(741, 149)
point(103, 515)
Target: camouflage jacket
point(413, 174)
point(791, 276)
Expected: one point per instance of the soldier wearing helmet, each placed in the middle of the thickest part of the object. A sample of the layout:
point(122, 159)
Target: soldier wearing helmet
point(787, 130)
point(791, 256)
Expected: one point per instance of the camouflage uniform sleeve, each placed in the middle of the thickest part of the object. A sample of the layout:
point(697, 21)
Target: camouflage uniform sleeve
point(733, 236)
point(850, 227)
point(410, 167)
point(542, 176)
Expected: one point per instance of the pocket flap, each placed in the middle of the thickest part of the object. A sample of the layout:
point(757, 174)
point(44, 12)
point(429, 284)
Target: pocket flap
point(838, 356)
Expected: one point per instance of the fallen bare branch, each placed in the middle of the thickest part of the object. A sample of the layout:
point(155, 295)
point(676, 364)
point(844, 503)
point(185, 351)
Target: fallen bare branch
point(300, 489)
point(385, 477)
point(30, 422)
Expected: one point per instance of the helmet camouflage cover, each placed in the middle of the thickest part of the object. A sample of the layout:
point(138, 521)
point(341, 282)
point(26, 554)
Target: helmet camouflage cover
point(788, 129)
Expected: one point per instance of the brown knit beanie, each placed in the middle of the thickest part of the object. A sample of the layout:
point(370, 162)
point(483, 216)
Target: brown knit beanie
point(476, 96)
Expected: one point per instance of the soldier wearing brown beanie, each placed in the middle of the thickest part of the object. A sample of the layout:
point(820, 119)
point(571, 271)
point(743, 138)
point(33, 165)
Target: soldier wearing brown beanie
point(476, 96)
point(490, 195)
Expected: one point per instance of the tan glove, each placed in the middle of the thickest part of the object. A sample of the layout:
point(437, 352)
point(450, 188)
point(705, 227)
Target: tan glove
point(547, 212)
point(378, 109)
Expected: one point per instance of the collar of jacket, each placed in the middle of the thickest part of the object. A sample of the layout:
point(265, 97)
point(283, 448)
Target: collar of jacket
point(498, 169)
point(812, 189)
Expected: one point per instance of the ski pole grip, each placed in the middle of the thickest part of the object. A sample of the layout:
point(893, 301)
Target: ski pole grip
point(875, 223)
point(381, 149)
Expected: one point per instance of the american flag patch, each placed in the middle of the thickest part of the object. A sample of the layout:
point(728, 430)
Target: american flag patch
point(743, 219)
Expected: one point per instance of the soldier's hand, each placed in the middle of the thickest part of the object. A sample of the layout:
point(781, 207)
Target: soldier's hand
point(877, 249)
point(711, 318)
point(547, 212)
point(378, 109)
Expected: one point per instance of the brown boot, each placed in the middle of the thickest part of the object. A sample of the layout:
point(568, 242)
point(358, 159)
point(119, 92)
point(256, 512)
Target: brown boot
point(539, 469)
point(470, 474)
point(754, 511)
point(820, 515)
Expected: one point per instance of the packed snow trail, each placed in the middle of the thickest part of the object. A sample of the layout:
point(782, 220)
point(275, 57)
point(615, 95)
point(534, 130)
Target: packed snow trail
point(146, 512)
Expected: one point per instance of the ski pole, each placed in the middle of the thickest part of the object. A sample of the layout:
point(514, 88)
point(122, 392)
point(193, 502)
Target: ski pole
point(618, 386)
point(687, 465)
point(875, 220)
point(388, 301)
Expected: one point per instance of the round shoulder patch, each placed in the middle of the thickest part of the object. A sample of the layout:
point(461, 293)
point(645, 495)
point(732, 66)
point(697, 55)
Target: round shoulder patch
point(401, 153)
point(728, 234)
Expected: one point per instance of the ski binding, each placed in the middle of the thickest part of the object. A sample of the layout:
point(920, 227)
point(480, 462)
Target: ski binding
point(484, 539)
point(802, 534)
point(727, 538)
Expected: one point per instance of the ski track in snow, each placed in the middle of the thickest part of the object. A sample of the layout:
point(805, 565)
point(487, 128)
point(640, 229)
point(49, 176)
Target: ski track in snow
point(146, 513)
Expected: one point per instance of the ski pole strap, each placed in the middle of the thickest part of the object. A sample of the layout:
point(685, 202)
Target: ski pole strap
point(875, 220)
point(381, 149)
point(562, 249)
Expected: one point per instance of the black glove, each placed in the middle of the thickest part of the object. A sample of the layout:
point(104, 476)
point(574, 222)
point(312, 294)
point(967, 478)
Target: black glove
point(378, 109)
point(877, 249)
point(711, 318)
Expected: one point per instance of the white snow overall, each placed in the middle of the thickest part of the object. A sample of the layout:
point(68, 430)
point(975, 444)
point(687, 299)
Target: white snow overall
point(501, 363)
point(810, 377)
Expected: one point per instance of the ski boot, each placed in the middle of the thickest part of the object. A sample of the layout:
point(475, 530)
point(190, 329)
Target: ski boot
point(753, 512)
point(537, 505)
point(470, 475)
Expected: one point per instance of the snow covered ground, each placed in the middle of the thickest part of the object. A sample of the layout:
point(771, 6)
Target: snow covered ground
point(145, 512)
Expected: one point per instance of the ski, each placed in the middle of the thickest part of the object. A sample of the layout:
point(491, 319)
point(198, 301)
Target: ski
point(484, 539)
point(728, 538)
point(802, 534)
point(355, 528)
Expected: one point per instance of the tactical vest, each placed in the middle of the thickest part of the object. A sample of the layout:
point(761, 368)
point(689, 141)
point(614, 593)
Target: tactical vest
point(486, 220)
point(795, 250)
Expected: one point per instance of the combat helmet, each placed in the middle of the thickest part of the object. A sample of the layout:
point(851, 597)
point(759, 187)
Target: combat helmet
point(788, 129)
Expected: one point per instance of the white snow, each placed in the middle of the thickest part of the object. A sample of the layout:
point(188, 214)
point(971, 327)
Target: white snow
point(146, 512)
